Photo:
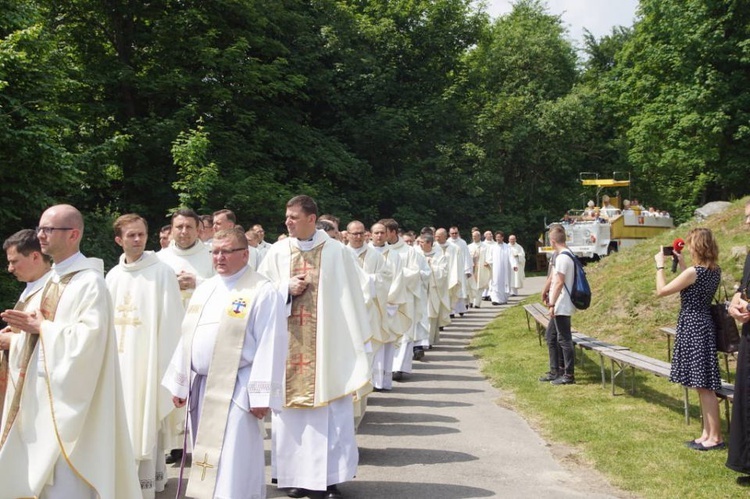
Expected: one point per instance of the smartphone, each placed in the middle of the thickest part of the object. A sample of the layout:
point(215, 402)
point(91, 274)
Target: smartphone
point(667, 250)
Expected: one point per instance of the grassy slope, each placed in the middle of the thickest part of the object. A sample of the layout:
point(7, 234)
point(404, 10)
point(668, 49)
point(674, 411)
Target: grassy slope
point(637, 441)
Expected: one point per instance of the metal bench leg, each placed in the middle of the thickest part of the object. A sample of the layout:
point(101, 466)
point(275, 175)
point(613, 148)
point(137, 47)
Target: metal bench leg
point(528, 324)
point(669, 348)
point(632, 380)
point(726, 364)
point(601, 367)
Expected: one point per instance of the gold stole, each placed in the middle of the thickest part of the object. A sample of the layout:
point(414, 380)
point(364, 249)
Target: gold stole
point(50, 299)
point(361, 258)
point(303, 330)
point(220, 382)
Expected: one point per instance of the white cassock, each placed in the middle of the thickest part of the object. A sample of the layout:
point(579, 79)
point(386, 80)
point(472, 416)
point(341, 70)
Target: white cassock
point(438, 300)
point(455, 277)
point(314, 444)
point(488, 246)
point(397, 318)
point(518, 259)
point(257, 383)
point(263, 248)
point(195, 260)
point(481, 273)
point(30, 299)
point(467, 267)
point(501, 273)
point(70, 438)
point(415, 275)
point(148, 314)
point(253, 257)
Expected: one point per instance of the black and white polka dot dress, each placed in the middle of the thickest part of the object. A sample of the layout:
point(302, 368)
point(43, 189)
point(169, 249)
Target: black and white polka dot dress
point(694, 362)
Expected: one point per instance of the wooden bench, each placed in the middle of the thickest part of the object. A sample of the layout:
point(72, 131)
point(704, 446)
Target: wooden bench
point(620, 360)
point(540, 314)
point(670, 333)
point(584, 342)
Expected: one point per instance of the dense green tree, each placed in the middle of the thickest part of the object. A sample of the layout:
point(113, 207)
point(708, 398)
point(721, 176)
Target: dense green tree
point(684, 80)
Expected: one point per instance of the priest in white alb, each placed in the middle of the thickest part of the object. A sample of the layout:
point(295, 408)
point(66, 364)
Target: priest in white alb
point(466, 267)
point(28, 264)
point(415, 274)
point(148, 314)
point(229, 369)
point(186, 254)
point(69, 438)
point(314, 447)
point(438, 300)
point(456, 276)
point(501, 271)
point(397, 318)
point(190, 260)
point(518, 261)
point(481, 269)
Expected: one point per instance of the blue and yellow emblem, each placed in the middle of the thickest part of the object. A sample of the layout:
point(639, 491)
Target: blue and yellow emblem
point(238, 310)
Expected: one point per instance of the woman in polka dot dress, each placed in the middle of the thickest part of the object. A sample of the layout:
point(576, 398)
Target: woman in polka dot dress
point(694, 363)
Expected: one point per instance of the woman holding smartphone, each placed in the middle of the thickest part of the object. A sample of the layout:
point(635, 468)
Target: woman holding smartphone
point(694, 363)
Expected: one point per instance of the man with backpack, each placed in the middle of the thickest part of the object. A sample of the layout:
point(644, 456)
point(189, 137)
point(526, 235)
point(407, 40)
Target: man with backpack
point(556, 296)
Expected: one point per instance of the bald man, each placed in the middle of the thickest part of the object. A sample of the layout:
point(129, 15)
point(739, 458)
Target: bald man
point(69, 437)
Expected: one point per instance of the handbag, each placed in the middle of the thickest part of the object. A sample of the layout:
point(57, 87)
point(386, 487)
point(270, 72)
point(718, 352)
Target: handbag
point(727, 333)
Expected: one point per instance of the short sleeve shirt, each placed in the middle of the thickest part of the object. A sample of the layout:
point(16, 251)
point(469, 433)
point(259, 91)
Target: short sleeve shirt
point(564, 265)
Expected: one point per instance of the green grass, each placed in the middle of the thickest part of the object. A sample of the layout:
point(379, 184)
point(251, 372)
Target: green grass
point(636, 441)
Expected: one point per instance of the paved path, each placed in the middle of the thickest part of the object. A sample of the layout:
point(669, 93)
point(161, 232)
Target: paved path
point(441, 434)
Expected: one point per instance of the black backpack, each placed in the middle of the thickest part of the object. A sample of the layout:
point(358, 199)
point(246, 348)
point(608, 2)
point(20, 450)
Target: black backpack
point(580, 295)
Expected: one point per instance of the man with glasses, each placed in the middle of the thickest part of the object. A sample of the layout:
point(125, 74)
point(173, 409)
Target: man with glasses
point(233, 349)
point(70, 437)
point(148, 314)
point(375, 291)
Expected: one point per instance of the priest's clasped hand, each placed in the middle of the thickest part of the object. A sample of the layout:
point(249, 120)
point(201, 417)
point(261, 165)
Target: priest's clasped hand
point(297, 284)
point(31, 322)
point(186, 280)
point(178, 402)
point(259, 412)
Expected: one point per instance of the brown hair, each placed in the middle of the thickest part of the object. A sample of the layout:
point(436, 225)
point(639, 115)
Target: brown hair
point(126, 219)
point(235, 232)
point(703, 246)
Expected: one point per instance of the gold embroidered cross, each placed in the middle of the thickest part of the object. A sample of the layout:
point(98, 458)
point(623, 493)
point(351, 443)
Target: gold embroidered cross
point(204, 465)
point(124, 319)
point(301, 315)
point(299, 364)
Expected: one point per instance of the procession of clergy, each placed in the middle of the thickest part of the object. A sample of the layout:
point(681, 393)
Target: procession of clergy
point(191, 347)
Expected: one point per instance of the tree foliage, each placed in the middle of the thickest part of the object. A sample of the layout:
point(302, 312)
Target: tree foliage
point(427, 111)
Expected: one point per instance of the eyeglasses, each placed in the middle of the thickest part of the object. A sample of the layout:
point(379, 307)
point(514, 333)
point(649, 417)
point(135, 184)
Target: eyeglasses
point(49, 230)
point(226, 252)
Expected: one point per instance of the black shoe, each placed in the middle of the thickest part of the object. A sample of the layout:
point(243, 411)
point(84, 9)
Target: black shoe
point(333, 492)
point(548, 376)
point(461, 314)
point(398, 376)
point(297, 492)
point(452, 316)
point(565, 379)
point(486, 298)
point(701, 447)
point(174, 456)
point(743, 481)
point(495, 303)
point(418, 353)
